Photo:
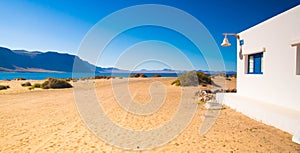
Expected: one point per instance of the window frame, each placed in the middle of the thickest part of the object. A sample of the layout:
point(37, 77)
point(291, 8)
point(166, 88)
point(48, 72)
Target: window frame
point(253, 60)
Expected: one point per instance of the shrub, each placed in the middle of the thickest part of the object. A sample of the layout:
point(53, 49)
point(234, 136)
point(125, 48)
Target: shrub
point(100, 77)
point(26, 84)
point(192, 78)
point(19, 79)
point(230, 90)
point(188, 79)
point(104, 77)
point(55, 84)
point(219, 91)
point(143, 76)
point(138, 75)
point(203, 78)
point(156, 75)
point(68, 79)
point(3, 87)
point(233, 75)
point(37, 85)
point(223, 91)
point(176, 82)
point(111, 77)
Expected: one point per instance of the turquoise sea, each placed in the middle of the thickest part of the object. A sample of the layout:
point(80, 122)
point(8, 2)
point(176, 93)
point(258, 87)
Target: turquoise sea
point(44, 75)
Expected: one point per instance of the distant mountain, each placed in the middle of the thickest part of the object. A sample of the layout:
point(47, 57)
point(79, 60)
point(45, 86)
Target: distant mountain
point(218, 72)
point(24, 61)
point(157, 71)
point(110, 70)
point(35, 61)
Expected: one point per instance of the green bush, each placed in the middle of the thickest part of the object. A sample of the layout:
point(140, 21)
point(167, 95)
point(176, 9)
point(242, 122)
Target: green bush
point(203, 78)
point(17, 79)
point(192, 78)
point(37, 85)
point(26, 84)
point(104, 77)
point(55, 84)
point(68, 79)
point(3, 87)
point(138, 75)
point(176, 82)
point(100, 77)
point(156, 75)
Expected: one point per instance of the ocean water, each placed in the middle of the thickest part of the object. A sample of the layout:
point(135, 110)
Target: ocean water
point(44, 75)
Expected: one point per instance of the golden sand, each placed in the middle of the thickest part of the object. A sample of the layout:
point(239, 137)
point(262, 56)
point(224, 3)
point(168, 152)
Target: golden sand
point(48, 121)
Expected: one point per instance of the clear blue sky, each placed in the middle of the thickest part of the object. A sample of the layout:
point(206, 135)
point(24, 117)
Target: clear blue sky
point(60, 25)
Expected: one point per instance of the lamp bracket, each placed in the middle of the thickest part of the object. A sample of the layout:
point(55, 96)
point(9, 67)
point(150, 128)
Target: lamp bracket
point(232, 34)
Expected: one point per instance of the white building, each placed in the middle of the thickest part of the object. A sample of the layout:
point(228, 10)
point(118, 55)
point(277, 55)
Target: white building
point(268, 73)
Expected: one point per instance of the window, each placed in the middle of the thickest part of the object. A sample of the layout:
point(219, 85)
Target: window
point(255, 63)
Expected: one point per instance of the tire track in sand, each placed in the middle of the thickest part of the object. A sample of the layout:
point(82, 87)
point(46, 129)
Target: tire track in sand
point(43, 143)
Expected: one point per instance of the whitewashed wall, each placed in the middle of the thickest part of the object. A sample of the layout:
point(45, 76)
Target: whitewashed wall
point(279, 84)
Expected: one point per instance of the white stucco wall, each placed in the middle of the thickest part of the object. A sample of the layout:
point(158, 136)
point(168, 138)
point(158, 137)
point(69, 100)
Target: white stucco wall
point(279, 84)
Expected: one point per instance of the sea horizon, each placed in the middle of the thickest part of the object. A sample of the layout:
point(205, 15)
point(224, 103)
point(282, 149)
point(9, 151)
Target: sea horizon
point(64, 75)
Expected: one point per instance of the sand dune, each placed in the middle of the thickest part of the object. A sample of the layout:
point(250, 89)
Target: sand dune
point(48, 121)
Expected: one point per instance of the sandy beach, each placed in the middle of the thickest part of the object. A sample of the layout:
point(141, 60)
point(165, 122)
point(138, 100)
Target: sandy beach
point(48, 121)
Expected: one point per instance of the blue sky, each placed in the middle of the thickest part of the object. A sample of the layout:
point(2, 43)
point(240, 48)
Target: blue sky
point(60, 25)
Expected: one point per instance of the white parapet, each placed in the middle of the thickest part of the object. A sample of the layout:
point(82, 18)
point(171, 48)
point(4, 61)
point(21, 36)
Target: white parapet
point(296, 137)
point(280, 117)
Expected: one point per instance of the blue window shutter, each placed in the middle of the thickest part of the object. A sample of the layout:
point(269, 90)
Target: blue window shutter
point(255, 66)
point(257, 63)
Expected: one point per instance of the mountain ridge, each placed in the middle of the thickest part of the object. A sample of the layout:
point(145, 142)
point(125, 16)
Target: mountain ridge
point(51, 61)
point(36, 61)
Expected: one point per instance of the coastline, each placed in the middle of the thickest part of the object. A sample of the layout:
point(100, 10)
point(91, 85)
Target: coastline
point(64, 75)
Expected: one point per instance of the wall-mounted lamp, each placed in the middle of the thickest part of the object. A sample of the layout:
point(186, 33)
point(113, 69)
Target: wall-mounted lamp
point(225, 42)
